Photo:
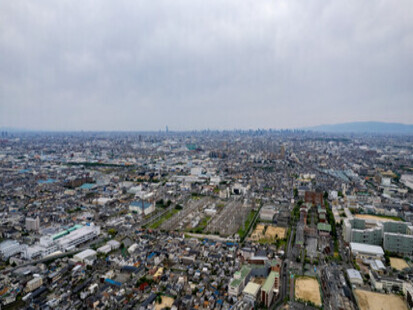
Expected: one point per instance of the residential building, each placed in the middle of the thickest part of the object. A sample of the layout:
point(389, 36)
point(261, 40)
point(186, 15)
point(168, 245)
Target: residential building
point(32, 223)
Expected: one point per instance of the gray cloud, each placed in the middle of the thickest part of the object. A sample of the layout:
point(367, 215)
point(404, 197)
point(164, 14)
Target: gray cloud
point(141, 65)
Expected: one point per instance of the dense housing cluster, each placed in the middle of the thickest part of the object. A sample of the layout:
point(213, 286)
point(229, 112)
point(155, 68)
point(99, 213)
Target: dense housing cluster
point(205, 220)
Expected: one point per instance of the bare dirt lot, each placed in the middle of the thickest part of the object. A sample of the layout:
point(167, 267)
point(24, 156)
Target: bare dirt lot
point(376, 301)
point(273, 232)
point(398, 263)
point(373, 217)
point(308, 289)
point(166, 303)
point(258, 233)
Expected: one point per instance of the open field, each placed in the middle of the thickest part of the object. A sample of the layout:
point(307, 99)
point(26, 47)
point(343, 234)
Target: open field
point(377, 218)
point(166, 303)
point(243, 230)
point(376, 301)
point(398, 263)
point(308, 289)
point(273, 232)
point(164, 218)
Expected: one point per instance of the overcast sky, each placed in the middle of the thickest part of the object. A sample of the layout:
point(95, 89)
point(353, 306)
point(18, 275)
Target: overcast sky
point(197, 64)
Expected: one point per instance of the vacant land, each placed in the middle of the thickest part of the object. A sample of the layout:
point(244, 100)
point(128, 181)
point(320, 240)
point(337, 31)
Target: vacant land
point(398, 263)
point(308, 289)
point(376, 301)
point(163, 218)
point(377, 218)
point(273, 232)
point(243, 230)
point(167, 302)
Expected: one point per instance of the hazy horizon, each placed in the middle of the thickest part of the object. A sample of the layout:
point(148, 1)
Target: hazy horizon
point(194, 65)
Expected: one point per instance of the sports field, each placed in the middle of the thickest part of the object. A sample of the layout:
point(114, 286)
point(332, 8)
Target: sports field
point(167, 302)
point(308, 289)
point(376, 218)
point(273, 232)
point(398, 263)
point(376, 301)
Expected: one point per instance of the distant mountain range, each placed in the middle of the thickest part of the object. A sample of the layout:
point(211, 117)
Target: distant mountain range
point(365, 127)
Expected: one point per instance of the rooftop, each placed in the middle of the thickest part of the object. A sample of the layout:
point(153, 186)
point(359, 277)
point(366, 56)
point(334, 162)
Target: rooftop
point(269, 283)
point(366, 248)
point(354, 274)
point(252, 289)
point(324, 227)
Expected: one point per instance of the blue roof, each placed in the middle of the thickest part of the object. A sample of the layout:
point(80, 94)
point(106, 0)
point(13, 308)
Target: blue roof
point(48, 181)
point(151, 255)
point(138, 203)
point(112, 282)
point(87, 186)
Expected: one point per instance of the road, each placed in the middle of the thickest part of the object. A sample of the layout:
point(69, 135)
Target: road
point(284, 276)
point(212, 237)
point(45, 259)
point(86, 246)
